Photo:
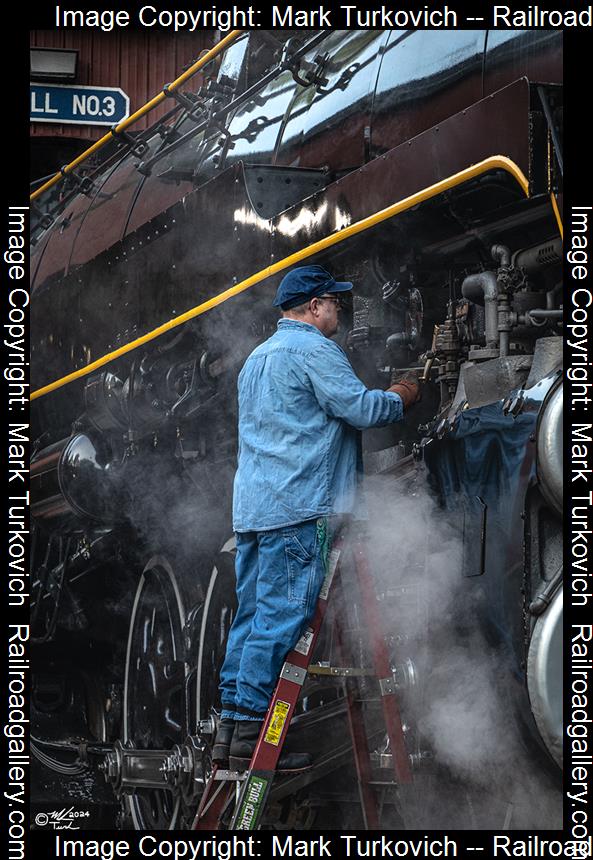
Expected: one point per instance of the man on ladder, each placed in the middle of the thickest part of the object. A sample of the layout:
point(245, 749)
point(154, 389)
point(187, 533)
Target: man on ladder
point(300, 407)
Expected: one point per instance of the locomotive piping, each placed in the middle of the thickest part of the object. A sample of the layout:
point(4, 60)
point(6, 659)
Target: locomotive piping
point(491, 163)
point(126, 123)
point(482, 287)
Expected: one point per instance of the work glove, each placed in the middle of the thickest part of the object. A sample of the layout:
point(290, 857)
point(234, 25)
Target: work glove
point(408, 388)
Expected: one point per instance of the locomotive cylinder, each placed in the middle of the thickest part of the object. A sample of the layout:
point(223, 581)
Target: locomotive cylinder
point(71, 483)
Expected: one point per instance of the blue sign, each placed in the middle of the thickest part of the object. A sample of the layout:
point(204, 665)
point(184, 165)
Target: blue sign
point(78, 105)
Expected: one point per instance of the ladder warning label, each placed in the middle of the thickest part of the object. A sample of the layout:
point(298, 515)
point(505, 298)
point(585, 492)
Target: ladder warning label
point(277, 721)
point(304, 643)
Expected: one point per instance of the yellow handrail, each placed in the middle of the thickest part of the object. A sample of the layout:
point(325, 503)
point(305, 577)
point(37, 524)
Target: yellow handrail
point(558, 215)
point(126, 123)
point(492, 163)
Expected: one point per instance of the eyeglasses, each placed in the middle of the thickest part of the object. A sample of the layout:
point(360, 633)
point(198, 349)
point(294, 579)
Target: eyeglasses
point(335, 299)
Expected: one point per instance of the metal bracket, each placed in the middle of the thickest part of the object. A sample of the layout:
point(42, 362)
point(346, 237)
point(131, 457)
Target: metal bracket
point(167, 133)
point(84, 184)
point(222, 89)
point(387, 686)
point(293, 673)
point(181, 98)
point(302, 71)
point(45, 219)
point(225, 142)
point(230, 776)
point(137, 147)
point(192, 104)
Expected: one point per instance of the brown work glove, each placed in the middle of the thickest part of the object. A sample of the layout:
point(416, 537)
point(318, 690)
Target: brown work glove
point(408, 388)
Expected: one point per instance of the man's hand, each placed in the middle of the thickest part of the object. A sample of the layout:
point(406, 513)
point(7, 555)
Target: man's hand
point(408, 388)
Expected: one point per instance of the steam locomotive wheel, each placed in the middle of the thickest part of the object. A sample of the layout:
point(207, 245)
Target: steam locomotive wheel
point(154, 685)
point(217, 616)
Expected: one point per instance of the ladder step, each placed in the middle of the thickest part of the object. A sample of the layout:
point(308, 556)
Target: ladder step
point(229, 776)
point(341, 671)
point(384, 782)
point(382, 760)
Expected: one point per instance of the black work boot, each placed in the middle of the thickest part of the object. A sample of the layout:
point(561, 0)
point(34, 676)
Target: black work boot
point(243, 744)
point(222, 742)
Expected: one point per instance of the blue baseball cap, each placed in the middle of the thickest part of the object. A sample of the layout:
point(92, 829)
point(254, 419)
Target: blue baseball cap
point(304, 283)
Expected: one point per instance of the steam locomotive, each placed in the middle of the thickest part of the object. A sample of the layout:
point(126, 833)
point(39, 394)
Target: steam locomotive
point(425, 167)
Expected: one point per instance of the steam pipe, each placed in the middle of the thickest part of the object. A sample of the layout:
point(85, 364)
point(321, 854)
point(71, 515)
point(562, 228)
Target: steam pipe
point(398, 340)
point(482, 288)
point(544, 598)
point(146, 166)
point(551, 296)
point(546, 314)
point(501, 254)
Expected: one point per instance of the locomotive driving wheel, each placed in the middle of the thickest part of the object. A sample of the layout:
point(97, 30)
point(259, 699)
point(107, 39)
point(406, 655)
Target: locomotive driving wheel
point(218, 612)
point(154, 685)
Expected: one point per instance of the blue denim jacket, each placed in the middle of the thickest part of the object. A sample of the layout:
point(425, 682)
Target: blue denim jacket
point(300, 405)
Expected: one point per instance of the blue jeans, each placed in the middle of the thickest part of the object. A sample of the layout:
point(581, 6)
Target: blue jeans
point(279, 576)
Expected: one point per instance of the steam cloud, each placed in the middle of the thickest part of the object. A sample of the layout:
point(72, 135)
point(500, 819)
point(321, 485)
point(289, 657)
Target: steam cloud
point(478, 773)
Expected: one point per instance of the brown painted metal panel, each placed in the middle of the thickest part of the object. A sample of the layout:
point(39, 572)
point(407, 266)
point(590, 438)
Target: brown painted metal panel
point(317, 113)
point(109, 303)
point(425, 77)
point(37, 252)
point(54, 261)
point(537, 55)
point(104, 224)
point(460, 141)
point(156, 196)
point(190, 261)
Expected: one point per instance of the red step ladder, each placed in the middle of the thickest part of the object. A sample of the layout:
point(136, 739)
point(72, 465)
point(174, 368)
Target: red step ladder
point(253, 787)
